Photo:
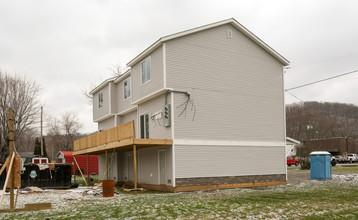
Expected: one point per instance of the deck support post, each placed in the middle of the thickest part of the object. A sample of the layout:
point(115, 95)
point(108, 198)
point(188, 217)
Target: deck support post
point(79, 168)
point(107, 165)
point(12, 155)
point(88, 176)
point(135, 165)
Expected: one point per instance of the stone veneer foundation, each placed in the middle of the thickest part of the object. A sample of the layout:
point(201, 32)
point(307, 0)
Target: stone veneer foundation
point(214, 183)
point(229, 180)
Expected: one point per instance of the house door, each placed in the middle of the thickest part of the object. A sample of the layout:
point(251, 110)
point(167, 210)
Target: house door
point(162, 170)
point(130, 171)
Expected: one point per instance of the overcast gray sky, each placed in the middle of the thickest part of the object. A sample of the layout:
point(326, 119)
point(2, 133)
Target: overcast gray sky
point(67, 46)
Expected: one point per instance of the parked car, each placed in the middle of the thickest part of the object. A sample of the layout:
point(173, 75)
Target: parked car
point(292, 161)
point(352, 158)
point(342, 159)
point(334, 160)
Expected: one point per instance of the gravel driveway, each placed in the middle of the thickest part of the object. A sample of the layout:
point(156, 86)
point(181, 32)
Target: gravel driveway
point(297, 177)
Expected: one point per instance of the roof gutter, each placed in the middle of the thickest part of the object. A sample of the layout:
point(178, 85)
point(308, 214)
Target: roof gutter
point(102, 85)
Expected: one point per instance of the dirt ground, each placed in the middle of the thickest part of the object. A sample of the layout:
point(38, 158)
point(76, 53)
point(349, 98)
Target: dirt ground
point(296, 177)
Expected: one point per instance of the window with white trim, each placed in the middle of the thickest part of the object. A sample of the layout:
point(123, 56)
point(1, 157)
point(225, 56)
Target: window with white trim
point(145, 66)
point(144, 126)
point(127, 88)
point(100, 99)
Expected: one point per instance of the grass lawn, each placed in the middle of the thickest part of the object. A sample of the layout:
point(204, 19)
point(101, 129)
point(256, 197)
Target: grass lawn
point(81, 182)
point(352, 169)
point(322, 201)
point(336, 199)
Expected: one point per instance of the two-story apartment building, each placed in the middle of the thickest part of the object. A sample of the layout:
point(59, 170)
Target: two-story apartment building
point(217, 93)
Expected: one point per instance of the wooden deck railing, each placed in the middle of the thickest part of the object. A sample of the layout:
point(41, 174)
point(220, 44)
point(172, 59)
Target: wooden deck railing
point(121, 132)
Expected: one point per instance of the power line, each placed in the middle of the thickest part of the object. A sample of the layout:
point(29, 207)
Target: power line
point(294, 96)
point(325, 60)
point(322, 80)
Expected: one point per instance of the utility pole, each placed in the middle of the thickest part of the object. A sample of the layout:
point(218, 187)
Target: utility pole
point(11, 152)
point(42, 141)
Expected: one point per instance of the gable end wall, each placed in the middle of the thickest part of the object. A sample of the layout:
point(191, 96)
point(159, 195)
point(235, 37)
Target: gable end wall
point(235, 85)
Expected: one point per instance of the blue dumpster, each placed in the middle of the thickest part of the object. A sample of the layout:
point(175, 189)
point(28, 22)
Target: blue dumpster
point(320, 165)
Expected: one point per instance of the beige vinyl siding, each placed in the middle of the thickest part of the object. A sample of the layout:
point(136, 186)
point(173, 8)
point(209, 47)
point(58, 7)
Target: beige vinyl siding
point(156, 127)
point(214, 161)
point(114, 98)
point(107, 123)
point(104, 110)
point(125, 162)
point(156, 76)
point(129, 117)
point(148, 165)
point(236, 86)
point(112, 170)
point(120, 166)
point(122, 104)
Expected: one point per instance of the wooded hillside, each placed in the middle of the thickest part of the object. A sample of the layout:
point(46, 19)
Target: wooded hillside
point(315, 120)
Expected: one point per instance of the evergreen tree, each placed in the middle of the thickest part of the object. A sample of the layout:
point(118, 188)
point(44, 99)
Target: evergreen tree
point(37, 150)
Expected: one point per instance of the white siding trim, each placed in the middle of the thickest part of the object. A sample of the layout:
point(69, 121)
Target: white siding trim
point(164, 66)
point(284, 117)
point(123, 76)
point(127, 111)
point(102, 85)
point(103, 117)
point(173, 146)
point(227, 143)
point(150, 96)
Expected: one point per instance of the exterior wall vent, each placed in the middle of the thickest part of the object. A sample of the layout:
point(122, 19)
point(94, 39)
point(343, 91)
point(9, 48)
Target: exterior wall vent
point(229, 33)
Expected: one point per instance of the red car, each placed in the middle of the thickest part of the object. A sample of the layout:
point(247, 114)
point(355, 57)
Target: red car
point(292, 161)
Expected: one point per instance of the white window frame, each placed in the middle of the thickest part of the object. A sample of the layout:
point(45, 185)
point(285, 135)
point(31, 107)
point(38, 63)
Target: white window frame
point(146, 129)
point(150, 70)
point(100, 93)
point(124, 88)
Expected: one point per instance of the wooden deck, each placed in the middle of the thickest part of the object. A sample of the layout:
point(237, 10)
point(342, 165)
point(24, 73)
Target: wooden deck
point(120, 138)
point(124, 145)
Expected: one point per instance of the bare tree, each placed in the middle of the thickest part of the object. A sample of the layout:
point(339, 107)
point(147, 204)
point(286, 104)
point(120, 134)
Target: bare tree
point(116, 70)
point(22, 96)
point(313, 120)
point(71, 126)
point(54, 136)
point(53, 125)
point(63, 131)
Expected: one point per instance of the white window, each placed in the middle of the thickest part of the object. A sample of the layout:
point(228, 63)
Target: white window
point(145, 70)
point(100, 99)
point(127, 88)
point(144, 126)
